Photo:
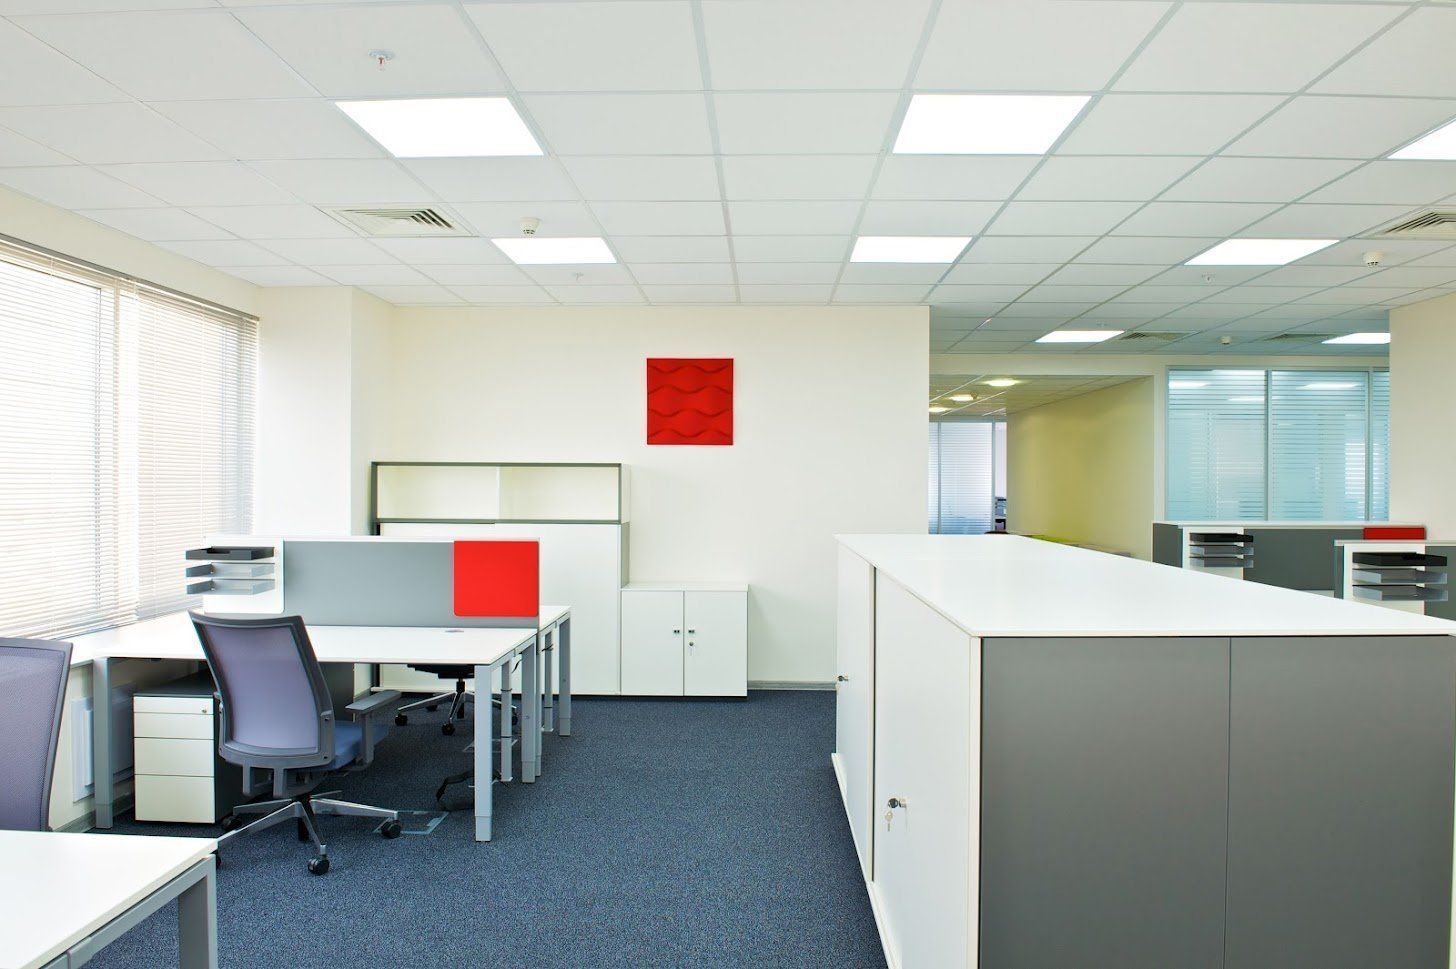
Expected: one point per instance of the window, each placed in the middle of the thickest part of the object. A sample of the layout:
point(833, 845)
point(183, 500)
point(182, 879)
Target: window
point(964, 460)
point(1283, 445)
point(126, 435)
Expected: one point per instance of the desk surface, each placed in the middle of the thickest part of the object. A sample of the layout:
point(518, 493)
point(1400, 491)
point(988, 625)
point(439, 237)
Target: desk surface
point(56, 889)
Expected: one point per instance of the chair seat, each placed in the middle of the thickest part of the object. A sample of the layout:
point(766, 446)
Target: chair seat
point(348, 743)
point(445, 672)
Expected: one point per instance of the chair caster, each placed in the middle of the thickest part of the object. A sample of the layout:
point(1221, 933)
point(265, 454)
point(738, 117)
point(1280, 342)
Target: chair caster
point(318, 866)
point(231, 823)
point(391, 830)
point(400, 720)
point(447, 728)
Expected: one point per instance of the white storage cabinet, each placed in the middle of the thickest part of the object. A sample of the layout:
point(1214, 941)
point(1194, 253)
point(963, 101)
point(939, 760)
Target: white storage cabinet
point(684, 640)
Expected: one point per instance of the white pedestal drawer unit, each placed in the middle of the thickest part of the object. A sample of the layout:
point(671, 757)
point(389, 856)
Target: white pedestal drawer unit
point(179, 776)
point(685, 639)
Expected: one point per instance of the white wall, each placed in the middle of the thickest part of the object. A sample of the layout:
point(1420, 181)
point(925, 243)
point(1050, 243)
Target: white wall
point(829, 437)
point(1423, 415)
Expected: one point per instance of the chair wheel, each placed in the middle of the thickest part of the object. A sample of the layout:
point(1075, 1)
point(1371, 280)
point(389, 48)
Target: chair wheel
point(318, 866)
point(231, 823)
point(447, 728)
point(391, 830)
point(400, 720)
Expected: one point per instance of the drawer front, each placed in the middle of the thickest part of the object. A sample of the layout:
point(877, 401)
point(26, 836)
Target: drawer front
point(185, 799)
point(172, 725)
point(190, 758)
point(172, 704)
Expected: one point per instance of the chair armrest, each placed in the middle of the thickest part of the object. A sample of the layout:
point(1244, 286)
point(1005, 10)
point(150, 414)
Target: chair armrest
point(371, 704)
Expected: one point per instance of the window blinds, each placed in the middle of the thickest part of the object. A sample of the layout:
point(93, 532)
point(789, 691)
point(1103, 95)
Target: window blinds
point(126, 433)
point(962, 476)
point(1317, 444)
point(1216, 446)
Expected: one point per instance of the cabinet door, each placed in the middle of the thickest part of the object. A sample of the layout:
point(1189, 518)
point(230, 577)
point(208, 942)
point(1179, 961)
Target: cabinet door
point(927, 678)
point(854, 726)
point(652, 643)
point(715, 660)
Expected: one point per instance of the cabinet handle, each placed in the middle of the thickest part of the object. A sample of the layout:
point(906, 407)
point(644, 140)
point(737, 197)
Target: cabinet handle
point(692, 632)
point(677, 632)
point(842, 678)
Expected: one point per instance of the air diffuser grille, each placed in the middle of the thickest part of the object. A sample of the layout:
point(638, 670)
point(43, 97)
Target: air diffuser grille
point(398, 222)
point(1427, 225)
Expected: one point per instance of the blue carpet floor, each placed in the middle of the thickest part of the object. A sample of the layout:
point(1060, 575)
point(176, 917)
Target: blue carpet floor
point(663, 833)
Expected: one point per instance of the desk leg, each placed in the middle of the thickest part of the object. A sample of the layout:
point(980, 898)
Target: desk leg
point(530, 722)
point(563, 641)
point(548, 703)
point(484, 754)
point(101, 762)
point(506, 761)
point(197, 922)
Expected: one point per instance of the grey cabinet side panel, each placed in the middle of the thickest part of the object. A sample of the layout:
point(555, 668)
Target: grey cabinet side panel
point(1104, 798)
point(1447, 609)
point(1296, 558)
point(1168, 544)
point(1340, 793)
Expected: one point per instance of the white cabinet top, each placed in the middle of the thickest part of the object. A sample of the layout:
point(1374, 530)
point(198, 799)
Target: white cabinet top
point(1007, 585)
point(685, 587)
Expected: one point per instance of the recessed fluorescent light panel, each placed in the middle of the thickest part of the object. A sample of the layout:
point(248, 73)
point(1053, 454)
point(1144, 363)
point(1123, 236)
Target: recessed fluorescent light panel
point(444, 127)
point(555, 252)
point(1439, 145)
point(932, 249)
point(1078, 336)
point(938, 409)
point(1368, 339)
point(1001, 382)
point(985, 124)
point(960, 398)
point(1329, 385)
point(1259, 252)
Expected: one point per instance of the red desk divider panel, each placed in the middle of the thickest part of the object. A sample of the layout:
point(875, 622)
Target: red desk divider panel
point(497, 579)
point(1401, 533)
point(689, 401)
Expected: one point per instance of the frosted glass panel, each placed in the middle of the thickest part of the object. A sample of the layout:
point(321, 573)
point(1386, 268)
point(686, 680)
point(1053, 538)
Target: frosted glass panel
point(1216, 445)
point(1318, 434)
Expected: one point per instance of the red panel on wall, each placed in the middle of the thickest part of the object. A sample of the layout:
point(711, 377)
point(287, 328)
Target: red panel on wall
point(689, 401)
point(497, 579)
point(1396, 532)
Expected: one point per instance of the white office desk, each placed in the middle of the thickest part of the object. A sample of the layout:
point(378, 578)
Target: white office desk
point(486, 649)
point(63, 897)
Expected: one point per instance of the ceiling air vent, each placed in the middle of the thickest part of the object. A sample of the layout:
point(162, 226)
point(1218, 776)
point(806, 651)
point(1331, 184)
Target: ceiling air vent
point(1428, 225)
point(398, 222)
point(1296, 337)
point(1146, 335)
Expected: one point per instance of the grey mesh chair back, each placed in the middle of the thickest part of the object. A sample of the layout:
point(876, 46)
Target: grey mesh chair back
point(33, 676)
point(275, 708)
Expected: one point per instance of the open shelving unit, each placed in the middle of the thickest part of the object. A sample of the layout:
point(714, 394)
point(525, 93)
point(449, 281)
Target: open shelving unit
point(492, 493)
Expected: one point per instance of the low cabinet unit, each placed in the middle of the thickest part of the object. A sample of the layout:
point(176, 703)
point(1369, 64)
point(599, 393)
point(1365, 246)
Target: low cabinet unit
point(685, 640)
point(179, 776)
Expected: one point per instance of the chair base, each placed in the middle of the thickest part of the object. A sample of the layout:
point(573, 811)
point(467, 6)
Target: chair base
point(304, 809)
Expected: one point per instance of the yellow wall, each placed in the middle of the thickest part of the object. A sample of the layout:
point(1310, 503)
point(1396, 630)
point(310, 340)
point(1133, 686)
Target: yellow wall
point(1082, 469)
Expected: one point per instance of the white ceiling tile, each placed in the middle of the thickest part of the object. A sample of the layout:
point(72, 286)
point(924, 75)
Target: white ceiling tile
point(1359, 295)
point(76, 187)
point(645, 178)
point(793, 218)
point(168, 56)
point(496, 219)
point(785, 294)
point(880, 293)
point(797, 176)
point(660, 218)
point(1256, 179)
point(435, 52)
point(367, 181)
point(1138, 249)
point(1047, 312)
point(672, 248)
point(1027, 249)
point(157, 225)
point(1315, 221)
point(493, 179)
point(1413, 58)
point(36, 74)
point(457, 276)
point(622, 124)
point(277, 275)
point(955, 293)
point(690, 294)
point(1059, 218)
point(952, 177)
point(254, 130)
point(1281, 46)
point(857, 273)
point(444, 252)
point(329, 252)
point(9, 8)
point(1079, 274)
point(17, 151)
point(1110, 178)
point(98, 134)
point(1364, 127)
point(1204, 218)
point(200, 183)
point(1154, 293)
point(1079, 44)
point(415, 295)
point(1442, 257)
point(791, 248)
point(911, 218)
point(610, 274)
point(788, 273)
point(1312, 275)
point(1208, 275)
point(652, 274)
point(502, 294)
point(818, 44)
point(1390, 183)
point(786, 122)
point(1085, 292)
point(1004, 325)
point(234, 252)
point(1422, 276)
point(596, 294)
point(635, 45)
point(1269, 295)
point(1164, 124)
point(274, 221)
point(999, 273)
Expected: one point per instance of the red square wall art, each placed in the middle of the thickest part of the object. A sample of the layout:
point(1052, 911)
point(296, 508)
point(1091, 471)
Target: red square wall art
point(689, 401)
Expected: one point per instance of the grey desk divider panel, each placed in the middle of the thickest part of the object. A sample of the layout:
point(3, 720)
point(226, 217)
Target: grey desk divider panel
point(375, 583)
point(1168, 544)
point(1296, 558)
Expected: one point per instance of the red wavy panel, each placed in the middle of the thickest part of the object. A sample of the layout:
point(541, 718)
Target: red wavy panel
point(689, 400)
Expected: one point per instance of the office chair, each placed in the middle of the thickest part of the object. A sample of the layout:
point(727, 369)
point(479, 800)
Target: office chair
point(276, 715)
point(457, 699)
point(32, 689)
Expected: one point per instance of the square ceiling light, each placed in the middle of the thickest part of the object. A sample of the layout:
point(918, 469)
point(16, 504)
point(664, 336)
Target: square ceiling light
point(1366, 339)
point(536, 251)
point(444, 127)
point(1259, 252)
point(985, 124)
point(933, 249)
point(1439, 145)
point(1078, 336)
